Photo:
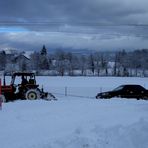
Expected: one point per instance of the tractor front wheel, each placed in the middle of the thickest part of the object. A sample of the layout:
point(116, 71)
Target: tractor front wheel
point(32, 94)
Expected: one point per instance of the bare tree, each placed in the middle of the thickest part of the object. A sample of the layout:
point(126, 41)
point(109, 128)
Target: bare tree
point(91, 63)
point(97, 63)
point(2, 60)
point(83, 64)
point(72, 63)
point(60, 62)
point(34, 61)
point(104, 64)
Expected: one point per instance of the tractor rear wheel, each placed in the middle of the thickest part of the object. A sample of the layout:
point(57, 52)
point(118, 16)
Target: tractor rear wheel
point(32, 94)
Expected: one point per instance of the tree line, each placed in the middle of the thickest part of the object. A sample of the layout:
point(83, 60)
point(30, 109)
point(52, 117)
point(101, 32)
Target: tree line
point(119, 63)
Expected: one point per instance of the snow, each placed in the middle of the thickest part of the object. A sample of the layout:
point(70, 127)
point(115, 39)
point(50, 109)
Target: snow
point(87, 86)
point(76, 122)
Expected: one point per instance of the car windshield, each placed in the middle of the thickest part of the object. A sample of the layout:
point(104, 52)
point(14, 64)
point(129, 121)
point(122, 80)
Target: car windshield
point(119, 88)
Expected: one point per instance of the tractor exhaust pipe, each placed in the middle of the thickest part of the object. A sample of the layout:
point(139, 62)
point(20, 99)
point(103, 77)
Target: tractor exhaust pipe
point(4, 80)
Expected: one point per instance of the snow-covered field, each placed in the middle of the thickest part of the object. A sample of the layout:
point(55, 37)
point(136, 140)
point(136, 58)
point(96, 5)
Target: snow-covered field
point(77, 120)
point(86, 86)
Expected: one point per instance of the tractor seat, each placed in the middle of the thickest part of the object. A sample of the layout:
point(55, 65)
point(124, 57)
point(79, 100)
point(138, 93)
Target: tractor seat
point(31, 81)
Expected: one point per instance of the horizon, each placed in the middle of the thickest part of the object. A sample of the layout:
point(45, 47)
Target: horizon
point(67, 50)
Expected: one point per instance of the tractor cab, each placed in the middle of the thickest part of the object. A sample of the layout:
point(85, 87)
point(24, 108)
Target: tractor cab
point(22, 82)
point(22, 78)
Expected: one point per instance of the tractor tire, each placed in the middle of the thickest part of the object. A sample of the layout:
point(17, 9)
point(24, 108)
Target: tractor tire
point(32, 94)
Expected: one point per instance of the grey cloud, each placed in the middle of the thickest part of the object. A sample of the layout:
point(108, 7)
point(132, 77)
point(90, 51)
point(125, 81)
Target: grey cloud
point(75, 23)
point(71, 11)
point(83, 15)
point(34, 41)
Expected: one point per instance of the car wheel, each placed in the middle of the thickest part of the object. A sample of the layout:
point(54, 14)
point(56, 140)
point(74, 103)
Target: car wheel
point(32, 94)
point(97, 97)
point(119, 96)
point(145, 97)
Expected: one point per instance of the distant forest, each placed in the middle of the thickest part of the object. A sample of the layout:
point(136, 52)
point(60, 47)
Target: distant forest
point(60, 63)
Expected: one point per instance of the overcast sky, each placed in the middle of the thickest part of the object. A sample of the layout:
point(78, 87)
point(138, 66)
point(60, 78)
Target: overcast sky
point(87, 24)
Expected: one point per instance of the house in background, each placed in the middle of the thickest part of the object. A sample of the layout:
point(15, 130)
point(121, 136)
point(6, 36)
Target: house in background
point(17, 62)
point(22, 62)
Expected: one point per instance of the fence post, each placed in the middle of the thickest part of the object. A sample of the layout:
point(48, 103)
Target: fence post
point(101, 89)
point(65, 91)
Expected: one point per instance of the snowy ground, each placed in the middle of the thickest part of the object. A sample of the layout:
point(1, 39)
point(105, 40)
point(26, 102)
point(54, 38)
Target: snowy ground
point(86, 86)
point(76, 122)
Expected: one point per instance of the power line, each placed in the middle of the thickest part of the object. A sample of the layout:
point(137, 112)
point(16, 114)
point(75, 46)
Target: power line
point(87, 24)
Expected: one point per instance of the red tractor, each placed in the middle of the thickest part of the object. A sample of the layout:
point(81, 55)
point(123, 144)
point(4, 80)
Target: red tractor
point(23, 86)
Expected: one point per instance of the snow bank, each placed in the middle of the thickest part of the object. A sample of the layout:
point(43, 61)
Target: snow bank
point(74, 123)
point(132, 136)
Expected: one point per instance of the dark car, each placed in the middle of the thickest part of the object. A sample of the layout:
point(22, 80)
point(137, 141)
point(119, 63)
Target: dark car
point(125, 91)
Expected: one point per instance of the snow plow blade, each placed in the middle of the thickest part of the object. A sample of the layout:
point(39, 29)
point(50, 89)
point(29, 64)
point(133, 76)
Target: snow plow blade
point(48, 96)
